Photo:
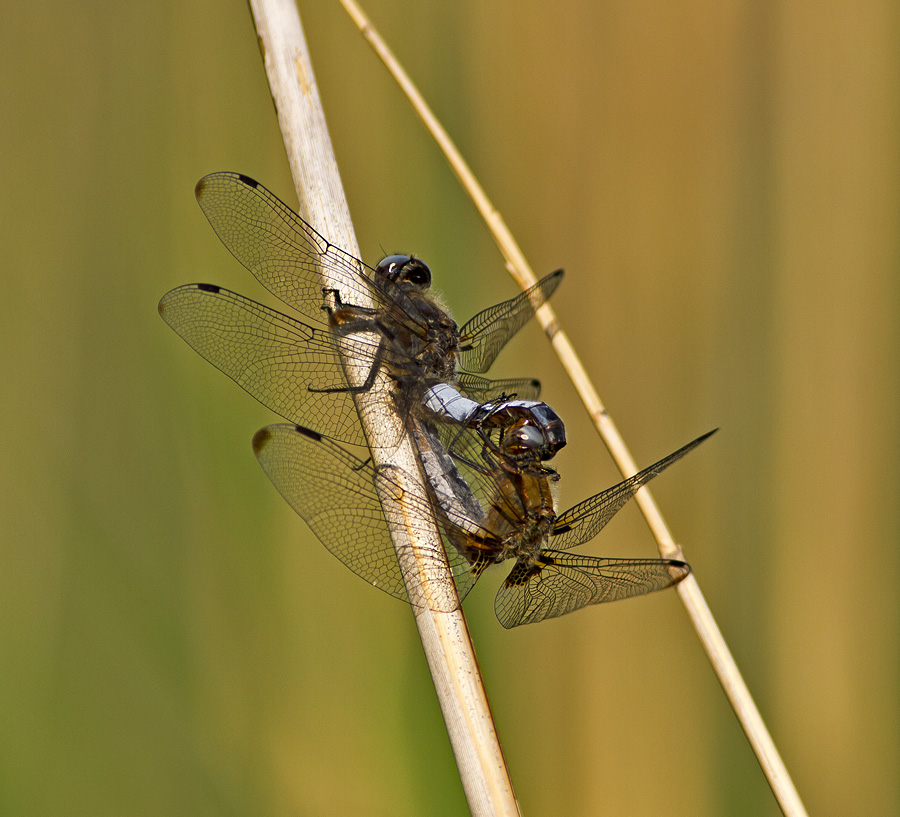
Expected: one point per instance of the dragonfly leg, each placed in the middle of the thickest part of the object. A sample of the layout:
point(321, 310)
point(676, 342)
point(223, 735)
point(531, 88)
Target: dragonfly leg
point(365, 386)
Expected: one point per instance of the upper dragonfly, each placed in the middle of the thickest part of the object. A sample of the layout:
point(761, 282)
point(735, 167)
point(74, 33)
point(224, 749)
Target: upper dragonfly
point(296, 369)
point(509, 514)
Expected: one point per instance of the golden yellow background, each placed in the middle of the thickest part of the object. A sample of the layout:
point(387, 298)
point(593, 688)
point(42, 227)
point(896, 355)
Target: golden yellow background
point(721, 182)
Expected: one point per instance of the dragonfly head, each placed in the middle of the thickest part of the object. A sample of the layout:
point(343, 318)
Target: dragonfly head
point(531, 431)
point(404, 269)
point(534, 438)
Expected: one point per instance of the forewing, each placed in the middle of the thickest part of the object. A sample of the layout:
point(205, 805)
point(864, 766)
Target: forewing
point(335, 493)
point(584, 521)
point(277, 246)
point(477, 464)
point(277, 359)
point(559, 583)
point(482, 338)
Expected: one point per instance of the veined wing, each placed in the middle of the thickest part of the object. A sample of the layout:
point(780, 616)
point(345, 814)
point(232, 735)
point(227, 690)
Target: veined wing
point(285, 364)
point(337, 495)
point(482, 390)
point(473, 450)
point(583, 521)
point(277, 246)
point(482, 338)
point(559, 583)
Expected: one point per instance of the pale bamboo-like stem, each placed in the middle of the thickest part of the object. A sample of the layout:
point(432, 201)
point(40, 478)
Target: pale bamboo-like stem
point(689, 590)
point(445, 637)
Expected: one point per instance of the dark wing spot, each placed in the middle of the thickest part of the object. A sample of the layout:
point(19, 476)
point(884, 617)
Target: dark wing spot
point(199, 187)
point(248, 181)
point(517, 576)
point(522, 574)
point(479, 564)
point(678, 569)
point(209, 288)
point(308, 432)
point(261, 440)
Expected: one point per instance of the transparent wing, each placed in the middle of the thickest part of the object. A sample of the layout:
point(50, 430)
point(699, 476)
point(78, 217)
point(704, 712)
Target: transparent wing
point(482, 338)
point(277, 246)
point(559, 583)
point(285, 364)
point(483, 390)
point(336, 494)
point(481, 467)
point(584, 521)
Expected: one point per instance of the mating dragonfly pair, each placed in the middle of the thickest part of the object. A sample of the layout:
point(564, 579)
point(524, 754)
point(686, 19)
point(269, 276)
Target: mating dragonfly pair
point(483, 444)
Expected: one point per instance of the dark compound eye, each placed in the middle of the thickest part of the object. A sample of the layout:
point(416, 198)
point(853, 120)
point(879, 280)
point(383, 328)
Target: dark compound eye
point(404, 269)
point(391, 265)
point(529, 437)
point(416, 272)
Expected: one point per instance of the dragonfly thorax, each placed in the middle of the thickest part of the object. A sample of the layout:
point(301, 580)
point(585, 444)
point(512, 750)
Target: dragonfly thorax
point(522, 513)
point(526, 541)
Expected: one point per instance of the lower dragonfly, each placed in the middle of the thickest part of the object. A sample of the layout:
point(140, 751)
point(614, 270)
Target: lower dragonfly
point(508, 515)
point(519, 502)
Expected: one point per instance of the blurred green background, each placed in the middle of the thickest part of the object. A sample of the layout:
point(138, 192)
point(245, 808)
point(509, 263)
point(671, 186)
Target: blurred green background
point(722, 184)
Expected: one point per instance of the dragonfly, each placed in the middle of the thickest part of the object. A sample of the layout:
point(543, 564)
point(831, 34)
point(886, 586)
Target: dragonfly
point(296, 368)
point(518, 499)
point(509, 514)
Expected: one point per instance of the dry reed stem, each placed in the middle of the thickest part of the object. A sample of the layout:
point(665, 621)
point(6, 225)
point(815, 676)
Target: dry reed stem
point(445, 637)
point(689, 590)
